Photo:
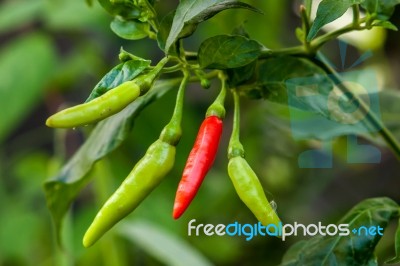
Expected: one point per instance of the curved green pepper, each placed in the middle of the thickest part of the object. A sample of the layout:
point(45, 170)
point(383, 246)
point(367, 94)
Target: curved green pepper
point(107, 104)
point(250, 191)
point(144, 177)
point(99, 108)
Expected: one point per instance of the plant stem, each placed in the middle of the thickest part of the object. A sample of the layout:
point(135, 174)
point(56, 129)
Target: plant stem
point(306, 26)
point(153, 22)
point(265, 53)
point(370, 116)
point(171, 69)
point(308, 6)
point(181, 51)
point(217, 107)
point(177, 114)
point(235, 148)
point(356, 15)
point(172, 132)
point(309, 49)
point(190, 55)
point(295, 51)
point(318, 42)
point(221, 96)
point(209, 75)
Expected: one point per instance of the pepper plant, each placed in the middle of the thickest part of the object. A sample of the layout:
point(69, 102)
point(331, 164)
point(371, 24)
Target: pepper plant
point(237, 65)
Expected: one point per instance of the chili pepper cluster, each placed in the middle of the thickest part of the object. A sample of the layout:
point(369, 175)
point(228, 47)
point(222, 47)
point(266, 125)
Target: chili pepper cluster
point(159, 158)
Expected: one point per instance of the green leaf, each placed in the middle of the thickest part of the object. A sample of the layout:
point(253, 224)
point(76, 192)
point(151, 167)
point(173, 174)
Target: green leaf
point(163, 31)
point(164, 246)
point(125, 9)
point(106, 137)
point(119, 74)
point(26, 64)
point(240, 75)
point(292, 253)
point(396, 259)
point(224, 51)
point(352, 249)
point(218, 7)
point(382, 8)
point(275, 72)
point(130, 29)
point(190, 13)
point(328, 11)
point(385, 24)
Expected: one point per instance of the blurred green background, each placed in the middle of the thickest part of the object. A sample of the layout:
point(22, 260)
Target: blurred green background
point(52, 53)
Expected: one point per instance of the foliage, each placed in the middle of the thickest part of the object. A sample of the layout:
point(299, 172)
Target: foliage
point(337, 250)
point(195, 35)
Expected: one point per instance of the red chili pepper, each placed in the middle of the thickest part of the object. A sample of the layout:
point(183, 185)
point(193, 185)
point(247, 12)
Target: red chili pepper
point(200, 160)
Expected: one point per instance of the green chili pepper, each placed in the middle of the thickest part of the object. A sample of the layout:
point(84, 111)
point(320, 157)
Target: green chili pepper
point(144, 177)
point(245, 181)
point(107, 104)
point(99, 108)
point(250, 191)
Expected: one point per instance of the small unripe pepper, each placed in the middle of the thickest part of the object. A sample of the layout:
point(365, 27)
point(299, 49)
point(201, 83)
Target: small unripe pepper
point(144, 177)
point(204, 81)
point(250, 191)
point(202, 155)
point(107, 104)
point(245, 181)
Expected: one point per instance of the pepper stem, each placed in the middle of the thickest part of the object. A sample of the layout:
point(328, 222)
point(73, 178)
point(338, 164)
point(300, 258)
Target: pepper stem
point(235, 148)
point(217, 107)
point(172, 132)
point(145, 81)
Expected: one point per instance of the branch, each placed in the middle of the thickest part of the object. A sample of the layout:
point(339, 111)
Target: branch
point(370, 116)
